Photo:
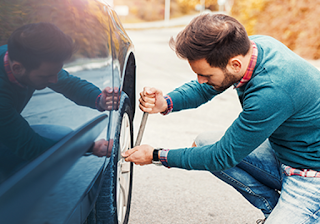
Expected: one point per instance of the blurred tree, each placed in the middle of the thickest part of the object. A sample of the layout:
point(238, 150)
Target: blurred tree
point(293, 22)
point(11, 17)
point(212, 5)
point(84, 20)
point(150, 10)
point(143, 10)
point(248, 12)
point(188, 5)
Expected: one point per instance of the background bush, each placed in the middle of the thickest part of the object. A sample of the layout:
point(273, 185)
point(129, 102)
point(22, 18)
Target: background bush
point(150, 10)
point(295, 23)
point(85, 21)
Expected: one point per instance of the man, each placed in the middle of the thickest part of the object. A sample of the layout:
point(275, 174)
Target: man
point(274, 144)
point(33, 60)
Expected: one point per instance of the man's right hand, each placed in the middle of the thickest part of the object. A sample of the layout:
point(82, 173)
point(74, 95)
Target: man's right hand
point(152, 101)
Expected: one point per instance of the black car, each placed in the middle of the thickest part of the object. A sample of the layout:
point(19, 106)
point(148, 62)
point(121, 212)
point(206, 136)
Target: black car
point(67, 183)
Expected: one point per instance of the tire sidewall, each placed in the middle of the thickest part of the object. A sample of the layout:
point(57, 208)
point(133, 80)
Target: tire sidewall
point(105, 209)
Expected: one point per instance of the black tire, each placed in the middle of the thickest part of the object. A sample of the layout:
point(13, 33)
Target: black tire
point(105, 210)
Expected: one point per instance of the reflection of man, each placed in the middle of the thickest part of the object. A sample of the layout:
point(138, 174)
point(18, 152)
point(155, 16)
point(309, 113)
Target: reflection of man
point(33, 60)
point(274, 144)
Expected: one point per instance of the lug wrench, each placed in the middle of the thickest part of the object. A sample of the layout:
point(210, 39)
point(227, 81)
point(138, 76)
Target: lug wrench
point(141, 129)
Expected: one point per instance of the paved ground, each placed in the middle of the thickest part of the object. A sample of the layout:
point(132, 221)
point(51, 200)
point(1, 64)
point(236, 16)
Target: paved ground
point(162, 195)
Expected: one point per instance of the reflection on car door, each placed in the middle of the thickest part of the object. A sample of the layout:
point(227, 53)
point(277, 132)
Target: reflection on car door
point(88, 23)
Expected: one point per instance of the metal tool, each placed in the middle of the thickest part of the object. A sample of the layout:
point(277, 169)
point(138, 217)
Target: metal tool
point(141, 129)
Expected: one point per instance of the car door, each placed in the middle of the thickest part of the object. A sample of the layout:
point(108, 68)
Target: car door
point(69, 196)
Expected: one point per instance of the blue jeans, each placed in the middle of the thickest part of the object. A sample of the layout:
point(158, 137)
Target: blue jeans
point(260, 178)
point(11, 163)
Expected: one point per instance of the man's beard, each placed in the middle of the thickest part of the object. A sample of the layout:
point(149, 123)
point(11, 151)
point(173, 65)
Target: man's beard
point(229, 80)
point(26, 81)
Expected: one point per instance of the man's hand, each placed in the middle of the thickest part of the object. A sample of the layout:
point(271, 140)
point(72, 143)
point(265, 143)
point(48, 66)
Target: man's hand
point(152, 101)
point(102, 148)
point(140, 155)
point(109, 99)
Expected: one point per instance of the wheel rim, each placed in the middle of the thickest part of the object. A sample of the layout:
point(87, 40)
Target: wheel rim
point(123, 169)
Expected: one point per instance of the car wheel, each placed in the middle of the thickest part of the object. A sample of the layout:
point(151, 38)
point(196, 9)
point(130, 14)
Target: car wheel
point(124, 172)
point(113, 203)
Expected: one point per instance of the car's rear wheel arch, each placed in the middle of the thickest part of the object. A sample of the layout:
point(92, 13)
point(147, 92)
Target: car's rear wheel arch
point(129, 82)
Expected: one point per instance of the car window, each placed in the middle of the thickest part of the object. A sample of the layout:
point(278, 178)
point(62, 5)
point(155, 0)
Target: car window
point(74, 99)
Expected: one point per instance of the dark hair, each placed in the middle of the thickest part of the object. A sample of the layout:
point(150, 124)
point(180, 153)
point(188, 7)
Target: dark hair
point(35, 43)
point(215, 37)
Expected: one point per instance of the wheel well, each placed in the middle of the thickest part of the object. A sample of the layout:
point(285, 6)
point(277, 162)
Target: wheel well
point(129, 84)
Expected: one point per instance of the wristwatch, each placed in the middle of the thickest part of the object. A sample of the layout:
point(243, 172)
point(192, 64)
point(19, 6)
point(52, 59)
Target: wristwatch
point(155, 159)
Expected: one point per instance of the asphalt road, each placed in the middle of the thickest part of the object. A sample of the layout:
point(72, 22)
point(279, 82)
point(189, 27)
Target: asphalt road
point(162, 195)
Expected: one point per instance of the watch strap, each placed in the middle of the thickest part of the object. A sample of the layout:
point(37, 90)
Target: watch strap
point(156, 155)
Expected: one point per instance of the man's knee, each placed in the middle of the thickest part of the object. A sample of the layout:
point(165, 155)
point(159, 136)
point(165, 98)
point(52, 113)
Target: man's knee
point(207, 138)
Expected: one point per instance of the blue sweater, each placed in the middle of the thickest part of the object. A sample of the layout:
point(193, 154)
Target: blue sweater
point(280, 102)
point(15, 132)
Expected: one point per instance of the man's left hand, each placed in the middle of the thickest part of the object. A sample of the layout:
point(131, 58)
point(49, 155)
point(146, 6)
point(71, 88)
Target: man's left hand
point(110, 98)
point(102, 148)
point(140, 155)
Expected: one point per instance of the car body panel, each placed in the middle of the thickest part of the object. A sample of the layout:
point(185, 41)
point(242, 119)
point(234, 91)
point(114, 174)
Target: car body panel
point(104, 53)
point(24, 189)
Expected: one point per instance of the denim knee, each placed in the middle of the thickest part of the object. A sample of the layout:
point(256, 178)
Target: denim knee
point(208, 138)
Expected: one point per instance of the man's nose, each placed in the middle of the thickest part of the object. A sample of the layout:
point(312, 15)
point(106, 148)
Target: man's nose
point(202, 79)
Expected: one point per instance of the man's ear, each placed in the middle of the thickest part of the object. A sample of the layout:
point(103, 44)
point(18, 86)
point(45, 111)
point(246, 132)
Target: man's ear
point(17, 68)
point(235, 64)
